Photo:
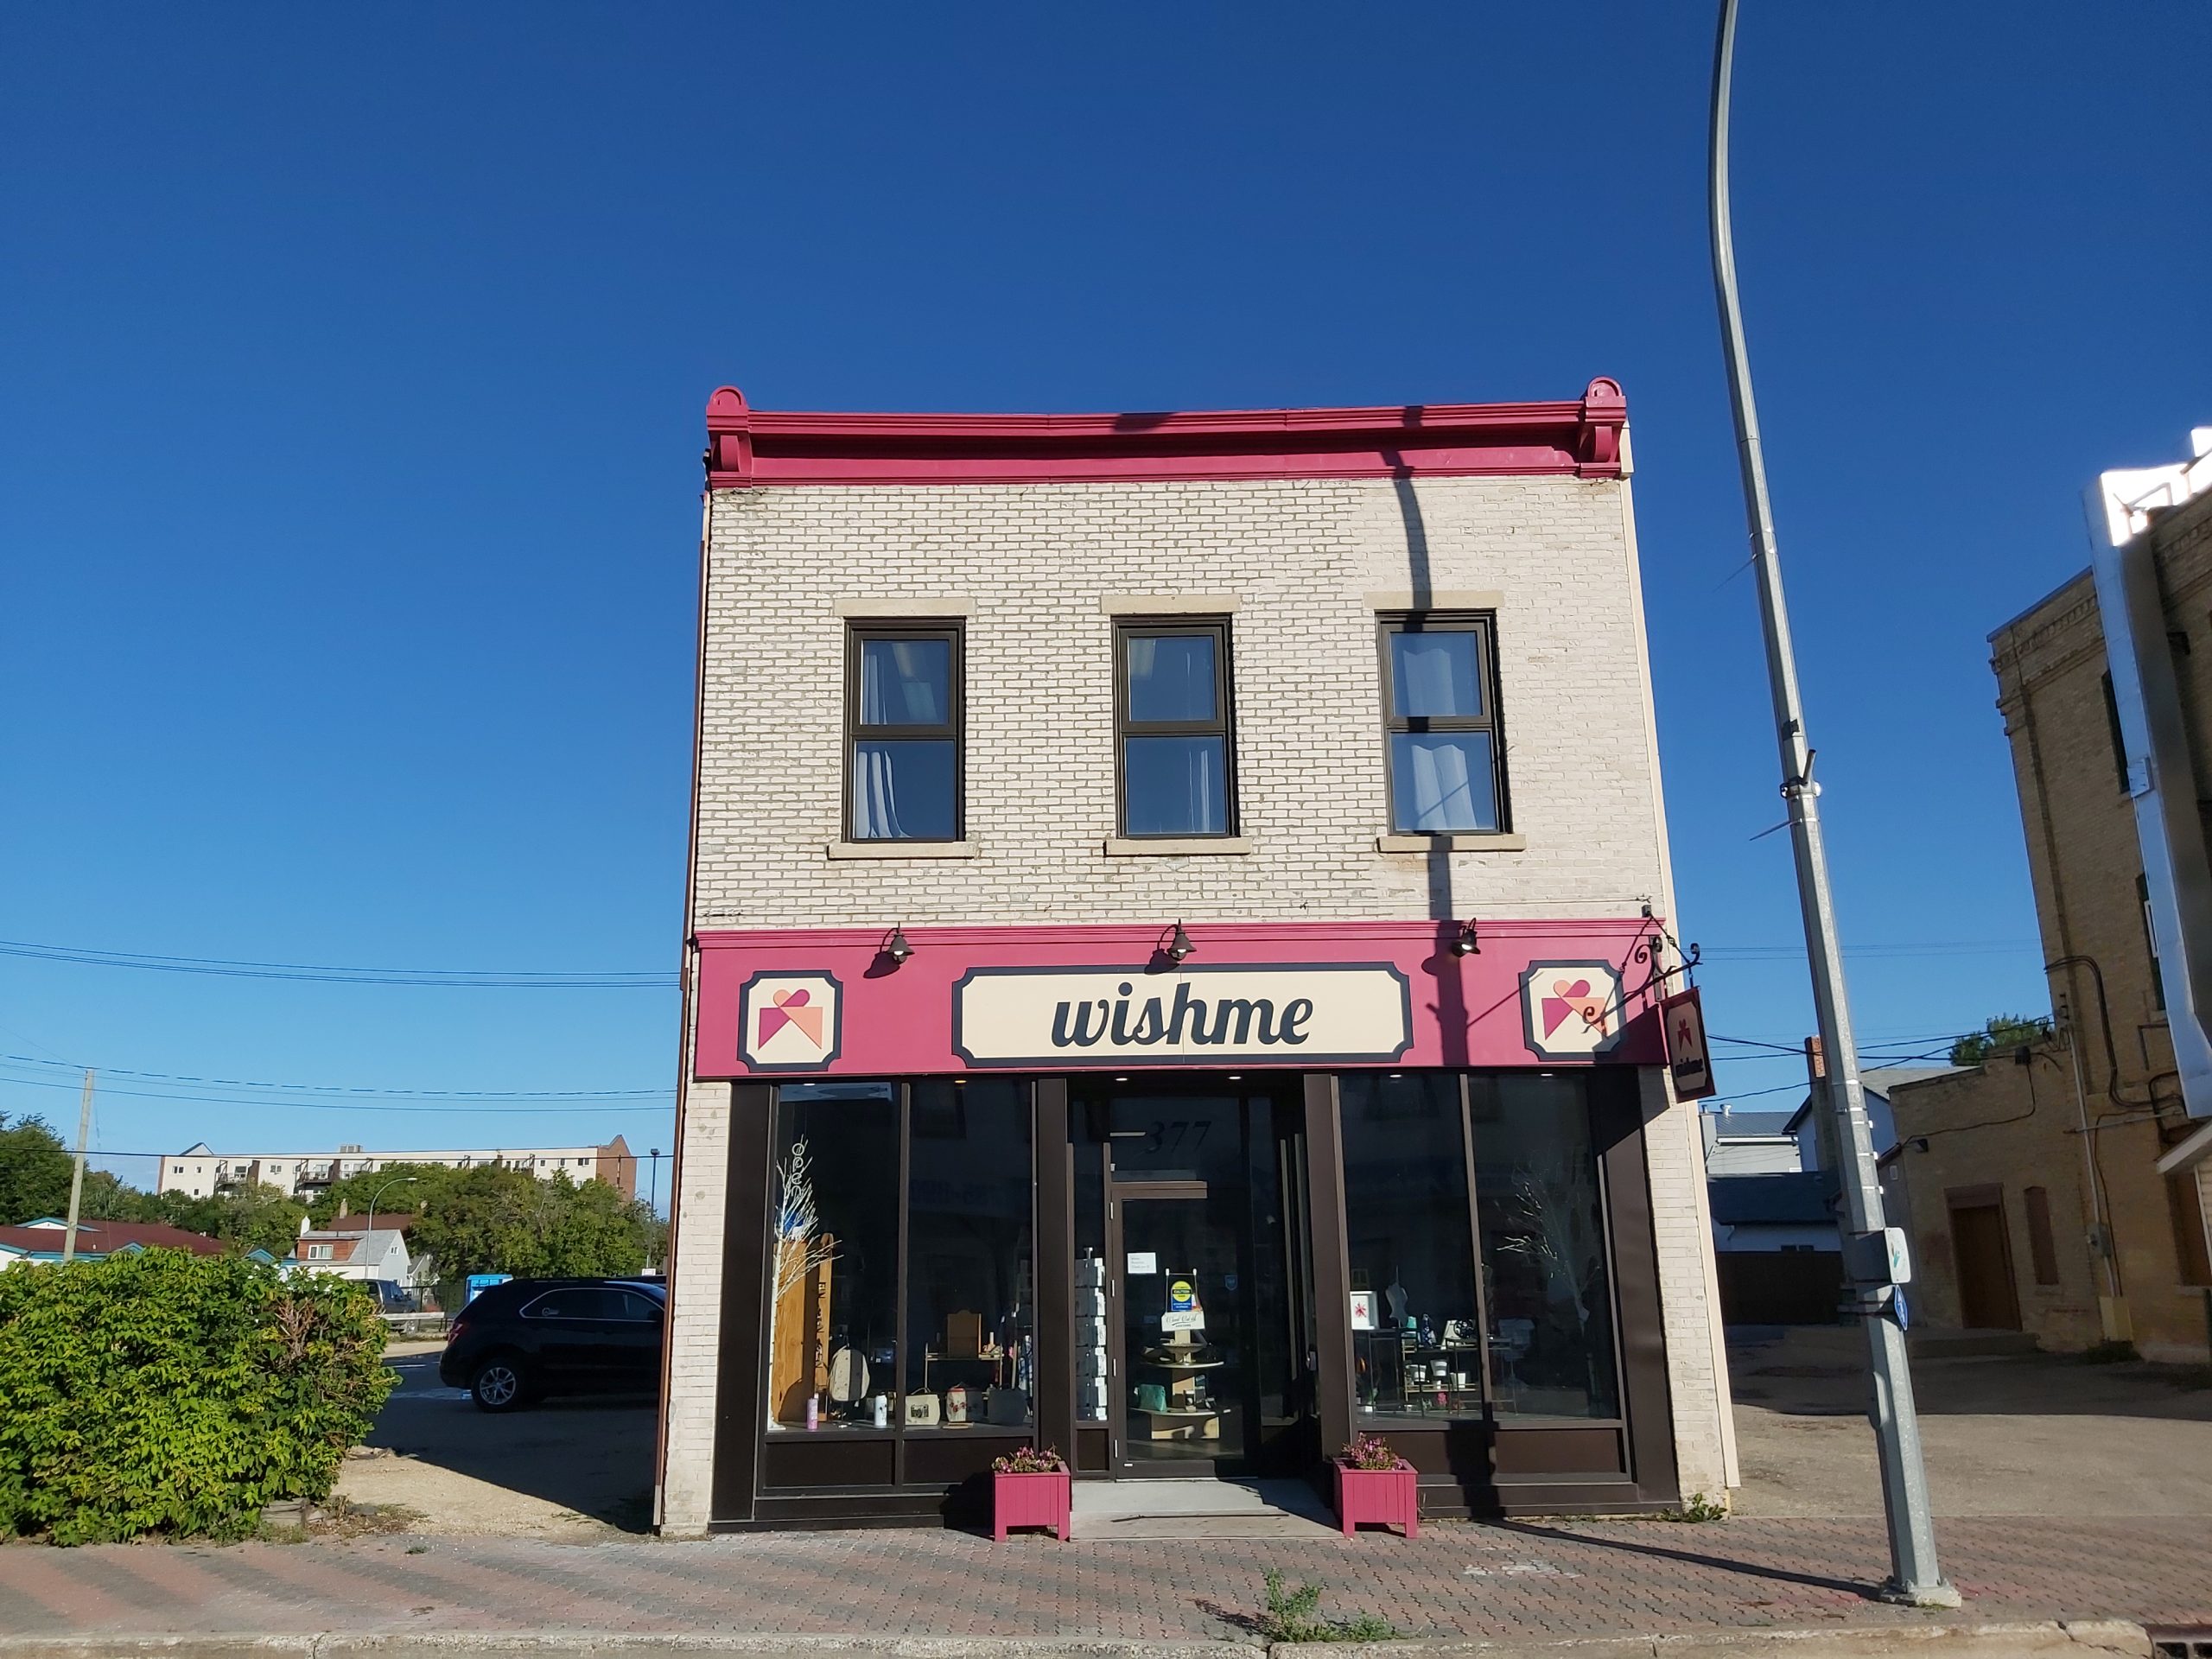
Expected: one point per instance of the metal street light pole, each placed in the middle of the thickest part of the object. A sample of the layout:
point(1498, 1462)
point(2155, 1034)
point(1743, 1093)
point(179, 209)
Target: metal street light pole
point(370, 1225)
point(1914, 1575)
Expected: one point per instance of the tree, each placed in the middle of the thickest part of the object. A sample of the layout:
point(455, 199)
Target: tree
point(34, 1169)
point(1998, 1034)
point(251, 1218)
point(393, 1189)
point(496, 1219)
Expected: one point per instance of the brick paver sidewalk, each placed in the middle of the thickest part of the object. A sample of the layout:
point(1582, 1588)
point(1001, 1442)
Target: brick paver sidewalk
point(1511, 1580)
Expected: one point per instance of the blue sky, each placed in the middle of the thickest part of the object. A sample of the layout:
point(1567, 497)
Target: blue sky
point(355, 361)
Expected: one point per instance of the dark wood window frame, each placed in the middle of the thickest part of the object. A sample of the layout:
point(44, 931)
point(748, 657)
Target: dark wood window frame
point(1223, 724)
point(1484, 625)
point(897, 1429)
point(1466, 1082)
point(857, 634)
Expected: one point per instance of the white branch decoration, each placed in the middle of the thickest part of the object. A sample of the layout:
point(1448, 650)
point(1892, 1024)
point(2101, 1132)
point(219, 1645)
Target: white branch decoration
point(800, 1246)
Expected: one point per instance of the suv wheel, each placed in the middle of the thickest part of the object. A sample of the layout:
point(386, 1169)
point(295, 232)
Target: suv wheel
point(498, 1385)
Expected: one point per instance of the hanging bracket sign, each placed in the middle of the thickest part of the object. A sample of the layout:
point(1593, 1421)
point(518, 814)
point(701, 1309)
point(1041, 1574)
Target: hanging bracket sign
point(1687, 1053)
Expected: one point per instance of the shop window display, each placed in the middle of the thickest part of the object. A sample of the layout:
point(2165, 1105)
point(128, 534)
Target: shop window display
point(833, 1246)
point(1543, 1248)
point(970, 1352)
point(1416, 1342)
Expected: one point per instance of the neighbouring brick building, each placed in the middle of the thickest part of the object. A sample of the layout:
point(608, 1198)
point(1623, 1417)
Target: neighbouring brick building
point(1175, 908)
point(2062, 1188)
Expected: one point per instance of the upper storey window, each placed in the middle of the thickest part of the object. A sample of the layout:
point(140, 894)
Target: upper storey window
point(1447, 774)
point(1171, 728)
point(903, 732)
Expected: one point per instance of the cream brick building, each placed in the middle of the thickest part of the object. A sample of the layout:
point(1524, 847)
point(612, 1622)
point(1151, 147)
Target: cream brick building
point(199, 1172)
point(1003, 719)
point(2062, 1190)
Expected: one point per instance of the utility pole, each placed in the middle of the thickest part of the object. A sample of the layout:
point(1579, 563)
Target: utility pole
point(77, 1175)
point(1914, 1576)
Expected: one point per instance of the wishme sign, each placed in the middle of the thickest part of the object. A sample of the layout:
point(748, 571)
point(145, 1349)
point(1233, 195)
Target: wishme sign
point(1048, 1017)
point(1287, 997)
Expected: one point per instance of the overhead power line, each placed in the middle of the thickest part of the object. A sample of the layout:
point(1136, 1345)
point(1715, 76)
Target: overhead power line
point(347, 1088)
point(615, 979)
point(447, 1109)
point(461, 978)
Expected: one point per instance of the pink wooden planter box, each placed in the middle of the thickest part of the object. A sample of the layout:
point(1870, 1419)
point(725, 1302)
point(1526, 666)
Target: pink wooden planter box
point(1030, 1501)
point(1381, 1498)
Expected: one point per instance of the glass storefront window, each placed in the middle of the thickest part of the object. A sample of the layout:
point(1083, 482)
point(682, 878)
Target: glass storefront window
point(833, 1237)
point(1543, 1246)
point(1417, 1343)
point(970, 1285)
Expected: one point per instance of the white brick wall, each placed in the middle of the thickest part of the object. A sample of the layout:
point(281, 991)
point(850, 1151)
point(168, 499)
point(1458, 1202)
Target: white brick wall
point(1300, 556)
point(695, 1276)
point(1032, 570)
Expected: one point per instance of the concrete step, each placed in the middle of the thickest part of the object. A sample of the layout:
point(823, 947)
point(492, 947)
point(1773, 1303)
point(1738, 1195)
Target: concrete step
point(1103, 1510)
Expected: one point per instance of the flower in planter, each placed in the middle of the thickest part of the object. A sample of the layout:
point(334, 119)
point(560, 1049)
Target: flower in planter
point(1028, 1460)
point(1371, 1451)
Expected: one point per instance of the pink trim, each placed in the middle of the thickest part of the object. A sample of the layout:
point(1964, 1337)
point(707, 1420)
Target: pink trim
point(1464, 1011)
point(747, 447)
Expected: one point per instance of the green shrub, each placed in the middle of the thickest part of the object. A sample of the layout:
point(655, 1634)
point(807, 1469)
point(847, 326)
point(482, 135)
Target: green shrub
point(163, 1392)
point(1296, 1616)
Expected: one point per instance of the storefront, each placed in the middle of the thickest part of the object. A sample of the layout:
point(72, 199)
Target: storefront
point(1185, 1217)
point(1177, 909)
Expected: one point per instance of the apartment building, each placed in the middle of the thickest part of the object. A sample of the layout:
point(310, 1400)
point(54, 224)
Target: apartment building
point(2062, 1188)
point(199, 1172)
point(1177, 909)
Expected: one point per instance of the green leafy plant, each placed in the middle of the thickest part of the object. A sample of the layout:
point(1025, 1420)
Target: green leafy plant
point(1371, 1451)
point(34, 1168)
point(1998, 1034)
point(1695, 1508)
point(1295, 1615)
point(1028, 1460)
point(161, 1392)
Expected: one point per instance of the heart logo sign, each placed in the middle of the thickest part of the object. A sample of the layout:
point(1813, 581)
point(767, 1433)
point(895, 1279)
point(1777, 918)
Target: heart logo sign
point(1572, 1009)
point(1572, 1001)
point(789, 1007)
point(789, 1022)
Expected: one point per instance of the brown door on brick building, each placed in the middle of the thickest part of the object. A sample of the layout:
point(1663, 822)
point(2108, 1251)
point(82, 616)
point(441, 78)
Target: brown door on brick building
point(1988, 1300)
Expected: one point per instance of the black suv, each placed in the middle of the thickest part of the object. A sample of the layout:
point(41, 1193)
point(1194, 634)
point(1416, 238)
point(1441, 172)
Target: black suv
point(518, 1342)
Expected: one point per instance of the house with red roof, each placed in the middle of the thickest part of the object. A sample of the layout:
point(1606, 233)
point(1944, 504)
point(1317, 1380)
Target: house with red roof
point(43, 1240)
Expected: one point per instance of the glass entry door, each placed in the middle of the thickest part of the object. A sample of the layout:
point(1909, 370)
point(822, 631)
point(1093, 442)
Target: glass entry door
point(1202, 1184)
point(1183, 1341)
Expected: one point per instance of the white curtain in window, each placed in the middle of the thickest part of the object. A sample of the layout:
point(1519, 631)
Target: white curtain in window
point(1443, 793)
point(875, 800)
point(1425, 672)
point(1206, 789)
point(907, 695)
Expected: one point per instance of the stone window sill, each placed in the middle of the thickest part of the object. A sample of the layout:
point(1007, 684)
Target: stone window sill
point(1177, 846)
point(1450, 843)
point(901, 849)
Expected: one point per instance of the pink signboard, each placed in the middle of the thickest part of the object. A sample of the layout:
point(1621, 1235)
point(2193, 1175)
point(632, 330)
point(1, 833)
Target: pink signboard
point(1292, 995)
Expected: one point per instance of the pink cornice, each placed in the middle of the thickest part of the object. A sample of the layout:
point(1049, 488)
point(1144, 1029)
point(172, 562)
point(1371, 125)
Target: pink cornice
point(747, 447)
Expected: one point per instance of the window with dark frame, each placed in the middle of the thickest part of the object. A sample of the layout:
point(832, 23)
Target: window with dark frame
point(904, 767)
point(1175, 764)
point(902, 1257)
point(1440, 716)
point(1522, 1274)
